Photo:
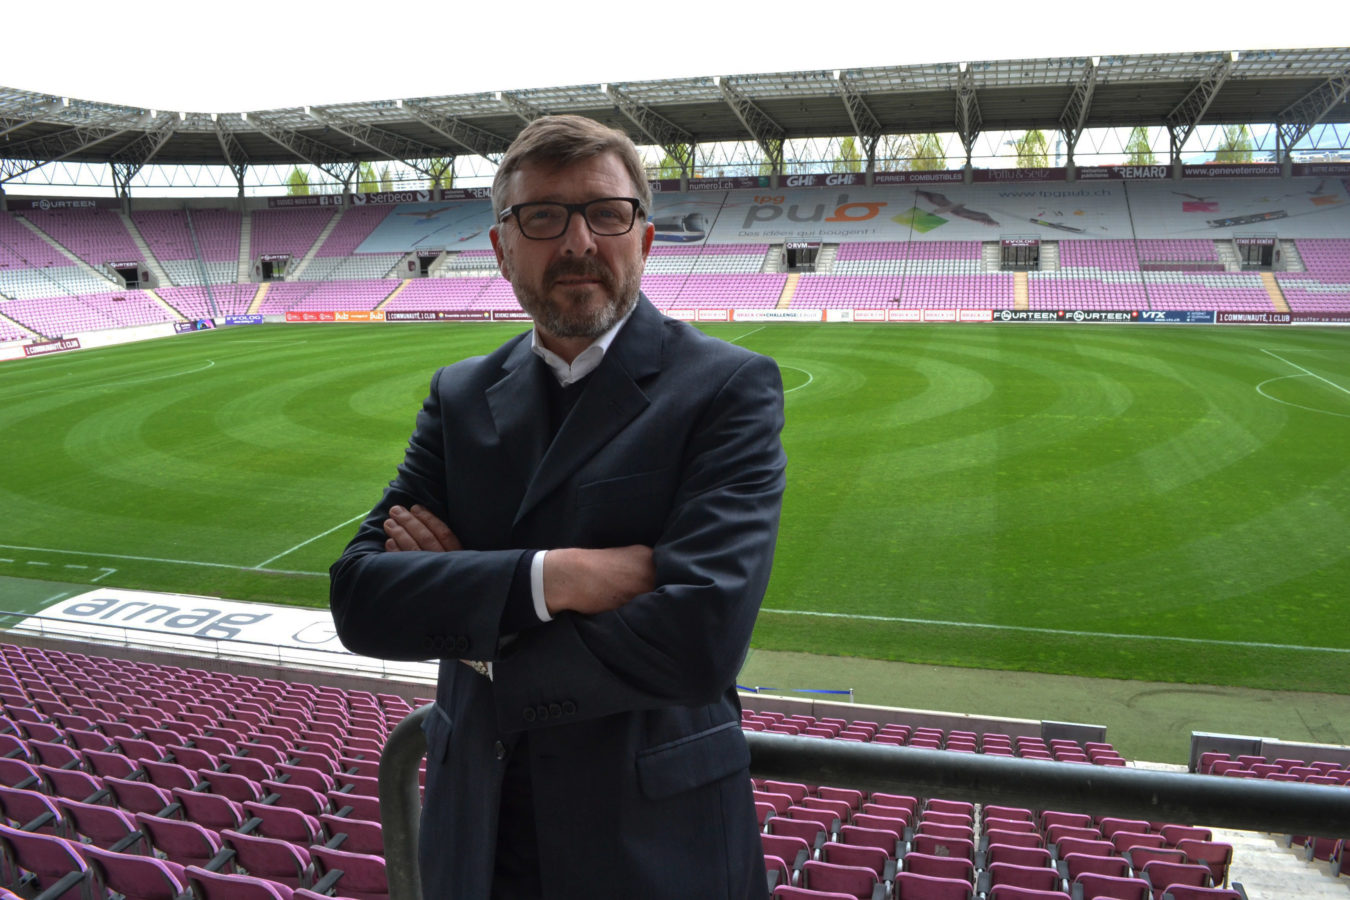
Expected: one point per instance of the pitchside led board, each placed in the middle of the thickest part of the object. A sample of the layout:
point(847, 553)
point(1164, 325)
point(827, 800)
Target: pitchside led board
point(939, 211)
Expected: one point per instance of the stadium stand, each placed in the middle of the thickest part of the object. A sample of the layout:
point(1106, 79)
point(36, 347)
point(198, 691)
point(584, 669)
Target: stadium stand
point(1135, 249)
point(289, 231)
point(229, 772)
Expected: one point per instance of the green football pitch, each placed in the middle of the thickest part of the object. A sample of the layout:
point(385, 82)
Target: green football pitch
point(1140, 502)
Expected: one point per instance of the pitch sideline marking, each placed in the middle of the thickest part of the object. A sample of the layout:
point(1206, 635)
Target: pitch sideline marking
point(158, 559)
point(1055, 631)
point(311, 540)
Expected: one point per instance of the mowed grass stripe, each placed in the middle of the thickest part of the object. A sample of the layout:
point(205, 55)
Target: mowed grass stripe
point(1097, 480)
point(1116, 481)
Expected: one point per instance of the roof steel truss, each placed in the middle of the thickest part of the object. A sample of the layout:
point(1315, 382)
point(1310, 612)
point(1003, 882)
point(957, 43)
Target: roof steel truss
point(1296, 120)
point(768, 134)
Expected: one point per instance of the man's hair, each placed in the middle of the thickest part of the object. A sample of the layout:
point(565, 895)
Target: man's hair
point(559, 141)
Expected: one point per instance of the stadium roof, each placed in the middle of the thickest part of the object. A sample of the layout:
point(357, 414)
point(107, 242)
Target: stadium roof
point(1296, 89)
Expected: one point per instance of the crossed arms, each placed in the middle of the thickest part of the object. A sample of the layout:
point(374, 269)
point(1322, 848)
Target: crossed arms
point(576, 579)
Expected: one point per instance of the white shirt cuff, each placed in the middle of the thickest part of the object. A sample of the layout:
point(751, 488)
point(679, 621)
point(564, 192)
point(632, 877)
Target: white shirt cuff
point(537, 587)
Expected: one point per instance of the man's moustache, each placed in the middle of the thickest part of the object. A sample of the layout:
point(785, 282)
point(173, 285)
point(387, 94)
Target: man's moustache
point(579, 268)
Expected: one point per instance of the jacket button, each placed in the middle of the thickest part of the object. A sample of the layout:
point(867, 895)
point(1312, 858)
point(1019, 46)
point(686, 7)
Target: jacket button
point(528, 714)
point(569, 708)
point(541, 712)
point(554, 710)
point(500, 749)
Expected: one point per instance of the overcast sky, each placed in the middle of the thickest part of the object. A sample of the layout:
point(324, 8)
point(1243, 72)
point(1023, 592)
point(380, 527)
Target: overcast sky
point(250, 54)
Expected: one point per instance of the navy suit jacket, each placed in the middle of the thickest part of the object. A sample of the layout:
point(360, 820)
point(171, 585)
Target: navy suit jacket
point(638, 764)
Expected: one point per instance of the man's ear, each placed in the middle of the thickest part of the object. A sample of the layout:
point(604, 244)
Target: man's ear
point(496, 238)
point(648, 235)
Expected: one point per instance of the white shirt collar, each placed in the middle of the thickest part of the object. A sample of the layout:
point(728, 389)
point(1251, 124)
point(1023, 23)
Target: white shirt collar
point(587, 360)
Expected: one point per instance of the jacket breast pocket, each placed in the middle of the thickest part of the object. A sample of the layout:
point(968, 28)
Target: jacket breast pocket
point(639, 486)
point(629, 509)
point(692, 761)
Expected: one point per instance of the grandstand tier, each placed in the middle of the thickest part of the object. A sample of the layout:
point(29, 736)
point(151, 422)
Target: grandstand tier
point(148, 759)
point(1121, 246)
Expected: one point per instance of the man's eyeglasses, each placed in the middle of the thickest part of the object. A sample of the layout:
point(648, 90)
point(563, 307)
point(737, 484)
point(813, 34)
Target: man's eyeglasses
point(606, 216)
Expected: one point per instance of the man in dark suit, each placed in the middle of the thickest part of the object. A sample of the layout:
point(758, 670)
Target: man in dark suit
point(581, 530)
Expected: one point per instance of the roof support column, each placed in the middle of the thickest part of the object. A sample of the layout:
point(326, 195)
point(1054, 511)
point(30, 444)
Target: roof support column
point(968, 121)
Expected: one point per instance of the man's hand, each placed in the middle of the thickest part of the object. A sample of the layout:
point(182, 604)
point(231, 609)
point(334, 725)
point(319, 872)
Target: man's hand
point(596, 581)
point(418, 529)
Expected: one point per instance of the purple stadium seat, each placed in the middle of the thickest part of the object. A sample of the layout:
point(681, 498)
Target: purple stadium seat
point(55, 866)
point(913, 886)
point(30, 811)
point(181, 841)
point(134, 877)
point(270, 858)
point(364, 836)
point(208, 885)
point(285, 823)
point(363, 875)
point(104, 826)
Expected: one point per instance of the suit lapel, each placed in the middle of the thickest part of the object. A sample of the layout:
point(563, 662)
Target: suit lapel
point(519, 407)
point(609, 402)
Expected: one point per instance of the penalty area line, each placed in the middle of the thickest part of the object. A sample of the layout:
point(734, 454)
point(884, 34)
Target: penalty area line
point(158, 559)
point(1065, 632)
point(311, 540)
point(1295, 365)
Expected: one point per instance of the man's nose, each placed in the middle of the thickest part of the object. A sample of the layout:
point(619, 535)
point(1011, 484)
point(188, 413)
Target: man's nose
point(577, 238)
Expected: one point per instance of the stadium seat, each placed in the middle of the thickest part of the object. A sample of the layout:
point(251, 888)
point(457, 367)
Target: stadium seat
point(52, 865)
point(913, 886)
point(103, 826)
point(855, 881)
point(31, 811)
point(180, 841)
point(133, 877)
point(362, 875)
point(208, 885)
point(362, 835)
point(271, 858)
point(1092, 884)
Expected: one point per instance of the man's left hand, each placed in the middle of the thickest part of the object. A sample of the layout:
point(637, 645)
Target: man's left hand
point(418, 529)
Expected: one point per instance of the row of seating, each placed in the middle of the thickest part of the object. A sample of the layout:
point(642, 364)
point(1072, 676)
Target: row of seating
point(827, 841)
point(168, 768)
point(1216, 762)
point(928, 737)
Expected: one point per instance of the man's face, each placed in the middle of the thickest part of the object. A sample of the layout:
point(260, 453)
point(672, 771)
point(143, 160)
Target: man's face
point(579, 284)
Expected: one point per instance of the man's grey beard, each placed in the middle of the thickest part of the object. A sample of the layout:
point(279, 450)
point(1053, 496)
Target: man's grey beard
point(570, 322)
point(566, 319)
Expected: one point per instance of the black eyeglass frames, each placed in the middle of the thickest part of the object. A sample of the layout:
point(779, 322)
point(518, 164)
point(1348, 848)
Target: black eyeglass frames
point(604, 216)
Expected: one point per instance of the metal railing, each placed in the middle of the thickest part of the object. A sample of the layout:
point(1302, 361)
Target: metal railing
point(1239, 803)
